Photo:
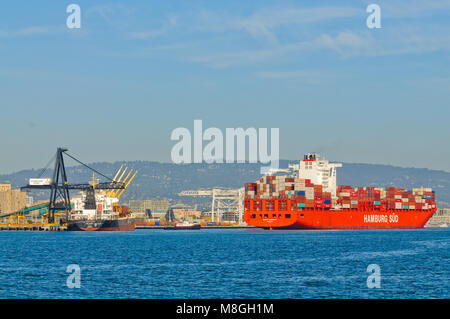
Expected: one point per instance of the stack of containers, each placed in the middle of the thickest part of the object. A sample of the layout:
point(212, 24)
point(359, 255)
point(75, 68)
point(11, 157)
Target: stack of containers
point(327, 200)
point(250, 190)
point(344, 195)
point(376, 197)
point(301, 190)
point(318, 196)
point(353, 199)
point(390, 197)
point(426, 198)
point(301, 199)
point(307, 195)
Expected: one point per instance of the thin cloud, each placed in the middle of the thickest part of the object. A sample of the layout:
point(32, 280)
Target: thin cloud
point(34, 30)
point(30, 31)
point(347, 43)
point(264, 23)
point(231, 59)
point(413, 8)
point(171, 22)
point(123, 16)
point(404, 40)
point(341, 43)
point(117, 15)
point(311, 77)
point(149, 51)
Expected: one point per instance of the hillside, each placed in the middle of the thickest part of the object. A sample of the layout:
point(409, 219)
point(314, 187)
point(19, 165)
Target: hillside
point(165, 180)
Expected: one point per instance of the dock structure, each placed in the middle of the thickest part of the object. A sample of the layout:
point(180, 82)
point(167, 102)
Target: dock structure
point(34, 218)
point(223, 200)
point(32, 227)
point(440, 219)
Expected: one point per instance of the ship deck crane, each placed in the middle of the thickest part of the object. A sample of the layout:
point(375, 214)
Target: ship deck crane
point(117, 193)
point(126, 185)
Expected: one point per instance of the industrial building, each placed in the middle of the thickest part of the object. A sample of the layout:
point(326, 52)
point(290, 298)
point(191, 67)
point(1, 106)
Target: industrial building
point(149, 209)
point(187, 214)
point(440, 219)
point(11, 200)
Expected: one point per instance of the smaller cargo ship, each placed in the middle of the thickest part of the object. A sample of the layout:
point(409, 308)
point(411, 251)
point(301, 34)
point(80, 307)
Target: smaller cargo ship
point(119, 224)
point(98, 211)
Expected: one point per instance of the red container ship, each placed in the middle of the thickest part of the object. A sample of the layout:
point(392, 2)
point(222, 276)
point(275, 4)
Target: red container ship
point(310, 199)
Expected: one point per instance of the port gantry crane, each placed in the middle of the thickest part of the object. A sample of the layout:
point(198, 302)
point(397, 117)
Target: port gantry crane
point(59, 186)
point(222, 200)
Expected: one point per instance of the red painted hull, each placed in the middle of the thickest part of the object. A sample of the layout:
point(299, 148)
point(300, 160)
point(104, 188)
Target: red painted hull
point(89, 228)
point(119, 228)
point(339, 219)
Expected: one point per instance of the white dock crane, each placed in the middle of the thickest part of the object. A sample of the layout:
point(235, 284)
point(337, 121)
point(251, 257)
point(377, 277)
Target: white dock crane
point(223, 199)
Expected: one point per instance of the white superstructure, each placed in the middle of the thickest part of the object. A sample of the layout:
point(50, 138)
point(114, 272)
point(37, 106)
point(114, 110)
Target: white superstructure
point(319, 171)
point(104, 206)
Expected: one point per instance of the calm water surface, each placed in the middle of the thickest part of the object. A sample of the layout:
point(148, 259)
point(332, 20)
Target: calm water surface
point(226, 264)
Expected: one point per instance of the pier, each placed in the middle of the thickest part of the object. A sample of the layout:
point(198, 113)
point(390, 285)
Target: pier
point(33, 227)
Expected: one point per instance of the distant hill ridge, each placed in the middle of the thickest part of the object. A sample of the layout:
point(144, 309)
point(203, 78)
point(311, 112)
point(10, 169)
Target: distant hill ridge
point(166, 180)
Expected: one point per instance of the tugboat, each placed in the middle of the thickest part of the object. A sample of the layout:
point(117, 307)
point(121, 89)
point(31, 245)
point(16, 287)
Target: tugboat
point(183, 225)
point(170, 217)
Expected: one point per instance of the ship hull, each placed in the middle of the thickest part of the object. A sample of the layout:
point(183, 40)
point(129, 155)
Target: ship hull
point(84, 225)
point(121, 224)
point(339, 219)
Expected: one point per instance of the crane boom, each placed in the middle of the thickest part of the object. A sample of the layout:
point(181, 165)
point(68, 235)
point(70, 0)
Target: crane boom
point(114, 179)
point(117, 174)
point(115, 192)
point(111, 192)
point(126, 186)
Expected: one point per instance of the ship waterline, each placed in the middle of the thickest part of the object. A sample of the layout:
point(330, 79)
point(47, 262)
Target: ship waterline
point(338, 219)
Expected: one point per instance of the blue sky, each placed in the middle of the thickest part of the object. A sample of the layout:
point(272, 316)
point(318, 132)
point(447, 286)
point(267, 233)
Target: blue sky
point(116, 88)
